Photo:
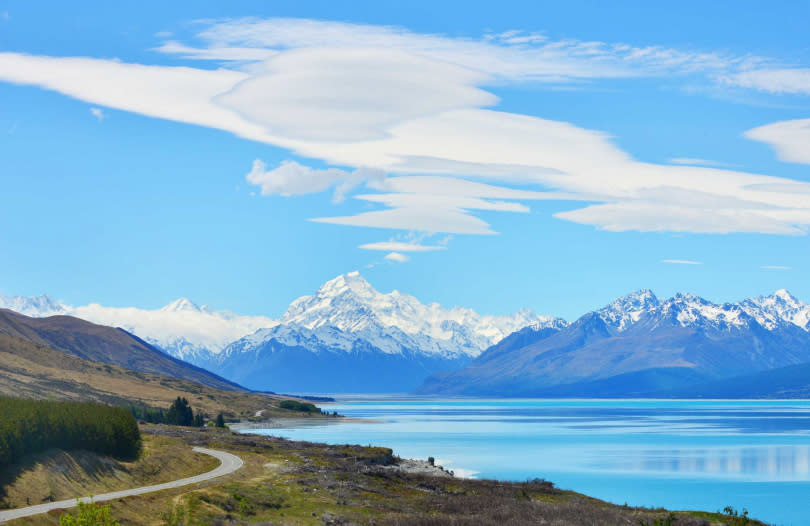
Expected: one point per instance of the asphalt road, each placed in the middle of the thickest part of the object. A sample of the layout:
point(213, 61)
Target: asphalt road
point(229, 464)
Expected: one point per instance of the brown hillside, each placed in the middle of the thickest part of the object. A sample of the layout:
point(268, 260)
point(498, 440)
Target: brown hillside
point(100, 343)
point(32, 370)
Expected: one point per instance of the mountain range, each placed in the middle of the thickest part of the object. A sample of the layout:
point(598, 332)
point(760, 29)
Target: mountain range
point(640, 345)
point(348, 337)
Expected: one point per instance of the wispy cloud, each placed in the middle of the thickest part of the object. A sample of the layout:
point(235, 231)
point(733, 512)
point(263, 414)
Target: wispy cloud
point(291, 178)
point(400, 246)
point(770, 80)
point(98, 113)
point(397, 257)
point(681, 262)
point(691, 161)
point(789, 139)
point(776, 267)
point(512, 55)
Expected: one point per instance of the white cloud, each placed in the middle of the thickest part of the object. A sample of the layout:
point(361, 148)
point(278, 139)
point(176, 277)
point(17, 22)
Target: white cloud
point(778, 81)
point(397, 257)
point(512, 55)
point(681, 262)
point(351, 94)
point(291, 178)
point(98, 113)
point(400, 246)
point(237, 54)
point(776, 267)
point(411, 106)
point(790, 139)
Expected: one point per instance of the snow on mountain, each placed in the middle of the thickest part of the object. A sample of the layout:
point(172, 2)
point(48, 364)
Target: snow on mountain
point(181, 328)
point(689, 310)
point(36, 307)
point(627, 310)
point(347, 313)
point(781, 306)
point(344, 311)
point(396, 321)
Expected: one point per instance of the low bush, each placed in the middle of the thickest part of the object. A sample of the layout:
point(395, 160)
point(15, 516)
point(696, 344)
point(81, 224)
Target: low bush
point(304, 407)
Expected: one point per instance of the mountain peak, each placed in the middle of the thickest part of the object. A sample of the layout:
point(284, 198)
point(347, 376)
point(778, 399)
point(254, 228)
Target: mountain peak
point(626, 310)
point(38, 306)
point(688, 297)
point(786, 296)
point(351, 281)
point(181, 305)
point(779, 307)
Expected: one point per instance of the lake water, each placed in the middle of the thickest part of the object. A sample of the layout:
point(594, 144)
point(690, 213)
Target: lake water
point(677, 454)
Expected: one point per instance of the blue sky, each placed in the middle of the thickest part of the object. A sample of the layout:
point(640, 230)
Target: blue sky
point(542, 155)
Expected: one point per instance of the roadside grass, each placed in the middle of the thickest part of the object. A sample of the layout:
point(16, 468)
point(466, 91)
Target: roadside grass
point(58, 475)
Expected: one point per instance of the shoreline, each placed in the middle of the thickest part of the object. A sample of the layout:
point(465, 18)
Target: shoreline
point(294, 422)
point(413, 466)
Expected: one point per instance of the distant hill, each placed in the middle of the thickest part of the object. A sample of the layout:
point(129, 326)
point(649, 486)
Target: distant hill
point(32, 370)
point(642, 346)
point(103, 344)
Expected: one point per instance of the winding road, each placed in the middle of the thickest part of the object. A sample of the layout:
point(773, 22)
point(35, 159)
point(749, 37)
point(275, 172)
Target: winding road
point(229, 464)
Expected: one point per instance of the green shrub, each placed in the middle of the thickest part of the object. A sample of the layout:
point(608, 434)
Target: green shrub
point(736, 518)
point(32, 426)
point(294, 405)
point(669, 520)
point(89, 515)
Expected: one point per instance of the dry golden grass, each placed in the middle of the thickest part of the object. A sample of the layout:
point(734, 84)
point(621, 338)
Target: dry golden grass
point(59, 475)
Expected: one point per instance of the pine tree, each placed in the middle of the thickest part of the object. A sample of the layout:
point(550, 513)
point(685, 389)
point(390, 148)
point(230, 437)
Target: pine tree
point(220, 421)
point(180, 413)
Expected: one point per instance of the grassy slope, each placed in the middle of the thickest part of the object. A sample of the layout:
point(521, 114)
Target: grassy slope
point(30, 370)
point(300, 483)
point(58, 475)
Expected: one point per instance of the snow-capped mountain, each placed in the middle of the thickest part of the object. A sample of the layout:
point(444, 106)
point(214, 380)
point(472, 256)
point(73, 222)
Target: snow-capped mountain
point(39, 306)
point(640, 345)
point(353, 338)
point(345, 315)
point(393, 321)
point(781, 306)
point(689, 310)
point(347, 336)
point(624, 311)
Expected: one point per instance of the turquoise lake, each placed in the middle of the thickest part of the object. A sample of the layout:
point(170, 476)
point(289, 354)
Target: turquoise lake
point(677, 454)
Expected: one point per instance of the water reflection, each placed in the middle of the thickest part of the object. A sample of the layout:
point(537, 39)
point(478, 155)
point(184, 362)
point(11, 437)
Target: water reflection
point(776, 463)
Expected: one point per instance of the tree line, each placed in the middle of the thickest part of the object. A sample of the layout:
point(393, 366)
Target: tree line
point(32, 426)
point(179, 413)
